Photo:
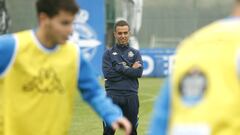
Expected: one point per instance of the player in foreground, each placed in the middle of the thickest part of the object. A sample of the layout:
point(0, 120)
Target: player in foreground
point(202, 95)
point(39, 71)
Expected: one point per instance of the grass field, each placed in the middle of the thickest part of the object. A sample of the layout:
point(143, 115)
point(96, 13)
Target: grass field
point(86, 122)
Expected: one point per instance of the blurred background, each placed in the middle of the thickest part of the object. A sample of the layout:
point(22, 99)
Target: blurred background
point(157, 25)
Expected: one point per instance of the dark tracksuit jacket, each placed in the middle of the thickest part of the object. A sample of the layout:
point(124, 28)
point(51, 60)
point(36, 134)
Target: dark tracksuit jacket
point(118, 72)
point(121, 82)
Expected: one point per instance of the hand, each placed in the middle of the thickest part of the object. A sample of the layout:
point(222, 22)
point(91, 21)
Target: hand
point(136, 65)
point(124, 124)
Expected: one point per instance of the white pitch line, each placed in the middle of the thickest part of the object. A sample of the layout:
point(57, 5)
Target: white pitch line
point(147, 94)
point(148, 100)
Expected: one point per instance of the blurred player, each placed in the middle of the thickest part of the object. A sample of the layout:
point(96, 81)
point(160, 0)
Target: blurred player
point(202, 95)
point(39, 71)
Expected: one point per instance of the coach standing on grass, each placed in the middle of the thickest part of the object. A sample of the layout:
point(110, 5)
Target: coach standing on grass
point(122, 66)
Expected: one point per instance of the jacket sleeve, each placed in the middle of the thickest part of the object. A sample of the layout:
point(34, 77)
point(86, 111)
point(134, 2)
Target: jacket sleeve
point(128, 70)
point(95, 95)
point(7, 52)
point(108, 70)
point(160, 119)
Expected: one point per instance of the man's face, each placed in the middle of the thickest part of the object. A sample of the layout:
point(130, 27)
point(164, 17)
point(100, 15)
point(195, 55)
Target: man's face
point(59, 27)
point(122, 34)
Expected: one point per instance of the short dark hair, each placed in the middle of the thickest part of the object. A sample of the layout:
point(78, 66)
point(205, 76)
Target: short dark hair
point(52, 7)
point(121, 23)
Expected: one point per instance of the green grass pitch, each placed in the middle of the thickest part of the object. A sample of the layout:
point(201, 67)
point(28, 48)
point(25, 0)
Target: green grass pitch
point(86, 122)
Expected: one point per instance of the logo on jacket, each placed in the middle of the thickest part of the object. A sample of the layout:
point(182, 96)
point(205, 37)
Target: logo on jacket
point(114, 53)
point(192, 86)
point(130, 54)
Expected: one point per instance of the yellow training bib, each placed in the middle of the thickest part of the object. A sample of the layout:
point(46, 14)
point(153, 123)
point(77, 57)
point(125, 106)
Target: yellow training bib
point(38, 88)
point(206, 87)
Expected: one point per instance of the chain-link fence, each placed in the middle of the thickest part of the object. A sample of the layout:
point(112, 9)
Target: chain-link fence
point(162, 23)
point(166, 22)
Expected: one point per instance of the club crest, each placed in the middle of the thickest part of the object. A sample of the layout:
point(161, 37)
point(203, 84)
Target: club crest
point(193, 86)
point(114, 53)
point(130, 54)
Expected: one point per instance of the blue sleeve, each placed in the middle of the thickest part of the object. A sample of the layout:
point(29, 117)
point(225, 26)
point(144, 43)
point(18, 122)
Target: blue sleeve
point(7, 49)
point(160, 119)
point(129, 71)
point(108, 71)
point(95, 95)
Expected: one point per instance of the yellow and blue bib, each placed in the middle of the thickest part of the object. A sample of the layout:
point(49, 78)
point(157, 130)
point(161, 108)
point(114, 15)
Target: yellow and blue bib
point(39, 88)
point(205, 82)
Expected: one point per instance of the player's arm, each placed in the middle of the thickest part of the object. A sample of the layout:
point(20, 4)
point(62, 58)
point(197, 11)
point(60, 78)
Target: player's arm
point(95, 96)
point(134, 71)
point(107, 69)
point(7, 52)
point(160, 119)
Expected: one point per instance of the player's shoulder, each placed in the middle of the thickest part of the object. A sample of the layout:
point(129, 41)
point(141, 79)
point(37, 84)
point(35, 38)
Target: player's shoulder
point(25, 34)
point(6, 37)
point(222, 29)
point(7, 50)
point(199, 38)
point(71, 45)
point(229, 21)
point(7, 40)
point(230, 24)
point(225, 30)
point(219, 26)
point(216, 30)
